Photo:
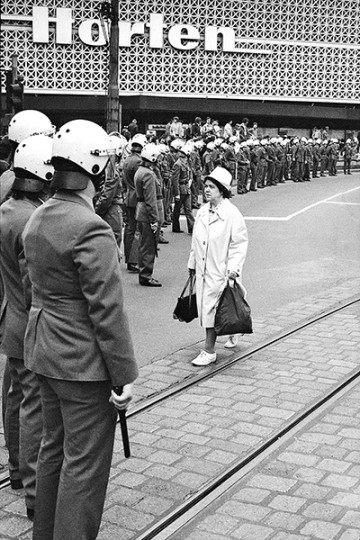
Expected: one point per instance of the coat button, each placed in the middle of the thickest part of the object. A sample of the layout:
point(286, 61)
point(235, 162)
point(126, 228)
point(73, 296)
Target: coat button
point(204, 243)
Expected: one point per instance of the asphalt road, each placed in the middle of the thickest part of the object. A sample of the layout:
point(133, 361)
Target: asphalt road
point(303, 238)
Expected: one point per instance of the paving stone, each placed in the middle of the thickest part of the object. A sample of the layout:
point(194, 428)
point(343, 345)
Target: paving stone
point(127, 517)
point(321, 529)
point(109, 532)
point(272, 483)
point(250, 532)
point(349, 500)
point(351, 518)
point(284, 520)
point(339, 481)
point(252, 495)
point(287, 503)
point(246, 511)
point(220, 524)
point(153, 505)
point(322, 511)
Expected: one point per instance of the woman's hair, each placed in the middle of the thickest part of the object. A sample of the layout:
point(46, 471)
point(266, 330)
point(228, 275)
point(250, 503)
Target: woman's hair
point(225, 192)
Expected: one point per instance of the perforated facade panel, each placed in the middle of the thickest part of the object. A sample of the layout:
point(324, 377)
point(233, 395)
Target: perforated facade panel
point(305, 50)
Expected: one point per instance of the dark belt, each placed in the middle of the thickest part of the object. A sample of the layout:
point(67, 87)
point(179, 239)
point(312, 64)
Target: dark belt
point(141, 199)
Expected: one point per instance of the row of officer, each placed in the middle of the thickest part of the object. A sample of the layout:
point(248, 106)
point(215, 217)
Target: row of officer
point(77, 338)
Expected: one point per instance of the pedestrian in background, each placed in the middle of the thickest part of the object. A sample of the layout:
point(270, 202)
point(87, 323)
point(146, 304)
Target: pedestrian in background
point(78, 339)
point(218, 252)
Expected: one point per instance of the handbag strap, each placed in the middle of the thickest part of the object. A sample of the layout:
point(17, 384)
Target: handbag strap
point(190, 282)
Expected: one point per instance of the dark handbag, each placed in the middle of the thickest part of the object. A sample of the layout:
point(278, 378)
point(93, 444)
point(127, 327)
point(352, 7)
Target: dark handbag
point(186, 308)
point(233, 314)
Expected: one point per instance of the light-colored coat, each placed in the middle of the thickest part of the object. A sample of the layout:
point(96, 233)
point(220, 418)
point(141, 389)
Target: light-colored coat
point(219, 245)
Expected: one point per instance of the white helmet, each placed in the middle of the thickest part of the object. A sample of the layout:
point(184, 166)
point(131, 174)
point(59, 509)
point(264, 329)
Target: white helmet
point(140, 139)
point(186, 149)
point(117, 142)
point(84, 143)
point(348, 141)
point(151, 152)
point(303, 139)
point(310, 141)
point(273, 140)
point(224, 146)
point(176, 144)
point(233, 139)
point(210, 146)
point(199, 144)
point(164, 149)
point(218, 141)
point(29, 122)
point(32, 157)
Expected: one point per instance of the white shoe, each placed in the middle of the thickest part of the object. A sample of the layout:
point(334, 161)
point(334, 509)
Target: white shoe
point(231, 342)
point(204, 359)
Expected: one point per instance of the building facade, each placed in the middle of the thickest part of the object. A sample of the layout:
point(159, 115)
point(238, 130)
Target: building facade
point(280, 62)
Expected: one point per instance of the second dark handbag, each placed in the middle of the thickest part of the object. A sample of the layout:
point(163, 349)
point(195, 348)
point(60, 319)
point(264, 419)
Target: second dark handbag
point(186, 308)
point(233, 313)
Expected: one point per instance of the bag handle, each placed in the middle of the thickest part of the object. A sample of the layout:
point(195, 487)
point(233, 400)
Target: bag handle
point(189, 283)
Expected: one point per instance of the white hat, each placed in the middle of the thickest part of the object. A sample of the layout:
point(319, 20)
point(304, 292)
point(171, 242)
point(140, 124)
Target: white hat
point(222, 176)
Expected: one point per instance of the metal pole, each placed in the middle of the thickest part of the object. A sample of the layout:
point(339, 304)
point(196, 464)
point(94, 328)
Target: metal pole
point(113, 106)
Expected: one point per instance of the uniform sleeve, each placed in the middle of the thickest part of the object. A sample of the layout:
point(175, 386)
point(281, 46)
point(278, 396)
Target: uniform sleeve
point(149, 192)
point(98, 267)
point(175, 180)
point(238, 244)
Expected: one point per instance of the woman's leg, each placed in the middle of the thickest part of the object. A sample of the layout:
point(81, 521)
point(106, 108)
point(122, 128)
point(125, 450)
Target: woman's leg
point(210, 340)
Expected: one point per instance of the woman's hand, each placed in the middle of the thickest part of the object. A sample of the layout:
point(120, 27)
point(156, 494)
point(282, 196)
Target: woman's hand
point(191, 271)
point(232, 275)
point(122, 401)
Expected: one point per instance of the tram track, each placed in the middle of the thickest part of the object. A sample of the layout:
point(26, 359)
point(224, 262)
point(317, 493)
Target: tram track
point(158, 530)
point(155, 529)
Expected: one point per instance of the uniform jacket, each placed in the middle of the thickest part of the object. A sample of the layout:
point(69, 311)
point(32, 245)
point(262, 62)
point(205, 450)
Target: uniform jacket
point(149, 207)
point(216, 247)
point(14, 214)
point(130, 166)
point(167, 165)
point(301, 153)
point(78, 329)
point(6, 181)
point(181, 176)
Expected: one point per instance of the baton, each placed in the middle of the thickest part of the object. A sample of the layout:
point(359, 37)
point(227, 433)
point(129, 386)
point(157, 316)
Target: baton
point(123, 426)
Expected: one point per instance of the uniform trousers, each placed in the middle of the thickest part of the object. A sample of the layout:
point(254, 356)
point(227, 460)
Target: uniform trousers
point(129, 234)
point(315, 167)
point(147, 250)
point(347, 165)
point(168, 197)
point(27, 436)
point(113, 217)
point(74, 460)
point(185, 201)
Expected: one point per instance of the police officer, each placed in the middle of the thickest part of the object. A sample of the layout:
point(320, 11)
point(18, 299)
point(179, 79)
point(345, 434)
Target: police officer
point(78, 340)
point(149, 213)
point(181, 179)
point(30, 189)
point(130, 166)
point(109, 199)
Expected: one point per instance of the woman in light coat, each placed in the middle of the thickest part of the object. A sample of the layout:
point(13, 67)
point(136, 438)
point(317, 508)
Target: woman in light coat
point(218, 252)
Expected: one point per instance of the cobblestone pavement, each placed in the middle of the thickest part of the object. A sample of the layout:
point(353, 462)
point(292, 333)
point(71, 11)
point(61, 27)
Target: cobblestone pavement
point(310, 488)
point(178, 446)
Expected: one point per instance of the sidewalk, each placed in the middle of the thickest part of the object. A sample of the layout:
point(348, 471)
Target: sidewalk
point(308, 489)
point(179, 446)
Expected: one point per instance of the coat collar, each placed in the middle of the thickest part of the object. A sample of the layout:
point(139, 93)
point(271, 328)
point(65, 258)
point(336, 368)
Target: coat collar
point(72, 196)
point(220, 211)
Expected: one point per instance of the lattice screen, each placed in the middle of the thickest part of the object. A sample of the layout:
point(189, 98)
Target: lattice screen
point(314, 44)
